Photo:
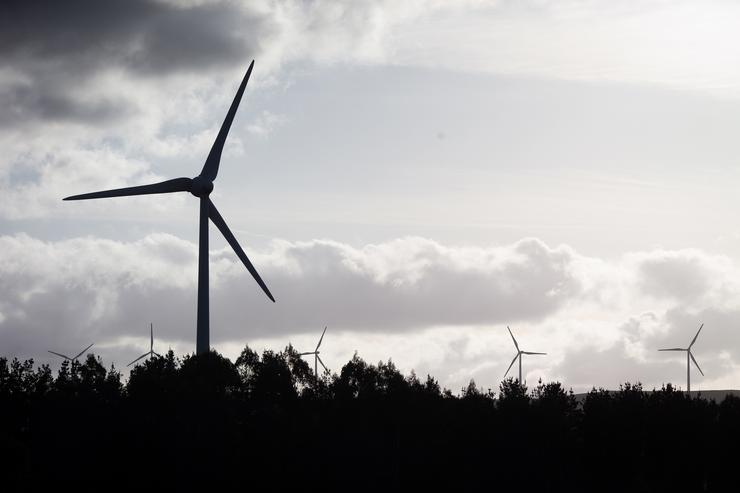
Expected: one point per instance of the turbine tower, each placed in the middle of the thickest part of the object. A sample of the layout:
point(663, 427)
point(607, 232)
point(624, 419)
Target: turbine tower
point(317, 358)
point(75, 358)
point(689, 359)
point(151, 351)
point(201, 186)
point(519, 353)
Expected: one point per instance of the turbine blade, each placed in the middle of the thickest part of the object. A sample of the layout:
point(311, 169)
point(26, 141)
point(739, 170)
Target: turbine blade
point(529, 352)
point(512, 364)
point(221, 225)
point(169, 186)
point(210, 169)
point(697, 335)
point(513, 339)
point(137, 359)
point(305, 354)
point(697, 364)
point(322, 338)
point(151, 333)
point(157, 353)
point(673, 349)
point(83, 351)
point(61, 355)
point(322, 363)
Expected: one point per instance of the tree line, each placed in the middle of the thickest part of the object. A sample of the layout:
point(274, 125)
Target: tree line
point(266, 423)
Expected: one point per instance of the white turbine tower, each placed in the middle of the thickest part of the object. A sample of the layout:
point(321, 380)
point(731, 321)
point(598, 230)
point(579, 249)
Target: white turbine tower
point(75, 358)
point(519, 353)
point(151, 351)
point(689, 359)
point(317, 359)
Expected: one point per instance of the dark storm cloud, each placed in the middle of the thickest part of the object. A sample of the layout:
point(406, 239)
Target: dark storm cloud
point(48, 100)
point(53, 47)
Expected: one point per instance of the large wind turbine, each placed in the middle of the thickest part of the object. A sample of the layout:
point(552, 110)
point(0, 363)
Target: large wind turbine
point(201, 186)
point(151, 351)
point(316, 358)
point(75, 358)
point(689, 359)
point(519, 353)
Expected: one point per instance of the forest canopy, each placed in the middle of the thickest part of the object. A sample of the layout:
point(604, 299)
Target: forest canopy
point(266, 422)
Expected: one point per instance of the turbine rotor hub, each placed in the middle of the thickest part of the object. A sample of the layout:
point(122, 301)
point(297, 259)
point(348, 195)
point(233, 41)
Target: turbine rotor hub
point(201, 186)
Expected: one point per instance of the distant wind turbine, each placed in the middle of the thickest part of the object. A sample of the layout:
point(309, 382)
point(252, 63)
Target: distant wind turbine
point(201, 186)
point(519, 353)
point(689, 359)
point(151, 351)
point(72, 359)
point(317, 358)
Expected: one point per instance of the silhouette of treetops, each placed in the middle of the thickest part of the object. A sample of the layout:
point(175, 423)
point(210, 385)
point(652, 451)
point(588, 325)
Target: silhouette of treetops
point(265, 420)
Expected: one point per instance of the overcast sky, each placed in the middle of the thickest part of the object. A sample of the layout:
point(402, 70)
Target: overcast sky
point(416, 175)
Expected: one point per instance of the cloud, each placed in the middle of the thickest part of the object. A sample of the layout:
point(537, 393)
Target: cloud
point(143, 80)
point(94, 93)
point(73, 292)
point(265, 123)
point(63, 293)
point(683, 278)
point(150, 77)
point(52, 52)
point(58, 46)
point(403, 285)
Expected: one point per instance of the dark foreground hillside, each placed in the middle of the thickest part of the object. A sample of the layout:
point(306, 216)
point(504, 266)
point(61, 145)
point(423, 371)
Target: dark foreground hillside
point(264, 424)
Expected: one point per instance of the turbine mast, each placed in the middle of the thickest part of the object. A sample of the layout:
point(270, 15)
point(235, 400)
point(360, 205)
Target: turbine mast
point(688, 372)
point(520, 368)
point(202, 330)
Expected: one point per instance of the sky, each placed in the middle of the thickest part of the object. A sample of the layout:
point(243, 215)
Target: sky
point(414, 175)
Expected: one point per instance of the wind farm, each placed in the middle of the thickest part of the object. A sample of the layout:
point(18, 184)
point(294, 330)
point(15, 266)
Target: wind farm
point(421, 176)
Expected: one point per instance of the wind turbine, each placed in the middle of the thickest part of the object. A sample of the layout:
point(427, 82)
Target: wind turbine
point(317, 358)
point(519, 353)
point(201, 186)
point(151, 351)
point(689, 359)
point(75, 358)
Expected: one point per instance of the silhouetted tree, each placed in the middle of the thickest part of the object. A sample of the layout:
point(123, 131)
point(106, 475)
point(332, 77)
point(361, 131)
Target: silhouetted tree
point(266, 416)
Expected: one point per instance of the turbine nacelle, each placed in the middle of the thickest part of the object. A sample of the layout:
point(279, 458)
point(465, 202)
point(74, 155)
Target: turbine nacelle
point(201, 186)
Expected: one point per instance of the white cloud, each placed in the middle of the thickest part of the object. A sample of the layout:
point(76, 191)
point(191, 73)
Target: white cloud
point(153, 118)
point(265, 123)
point(122, 123)
point(430, 307)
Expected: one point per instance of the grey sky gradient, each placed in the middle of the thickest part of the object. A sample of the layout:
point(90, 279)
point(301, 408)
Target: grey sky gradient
point(415, 175)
